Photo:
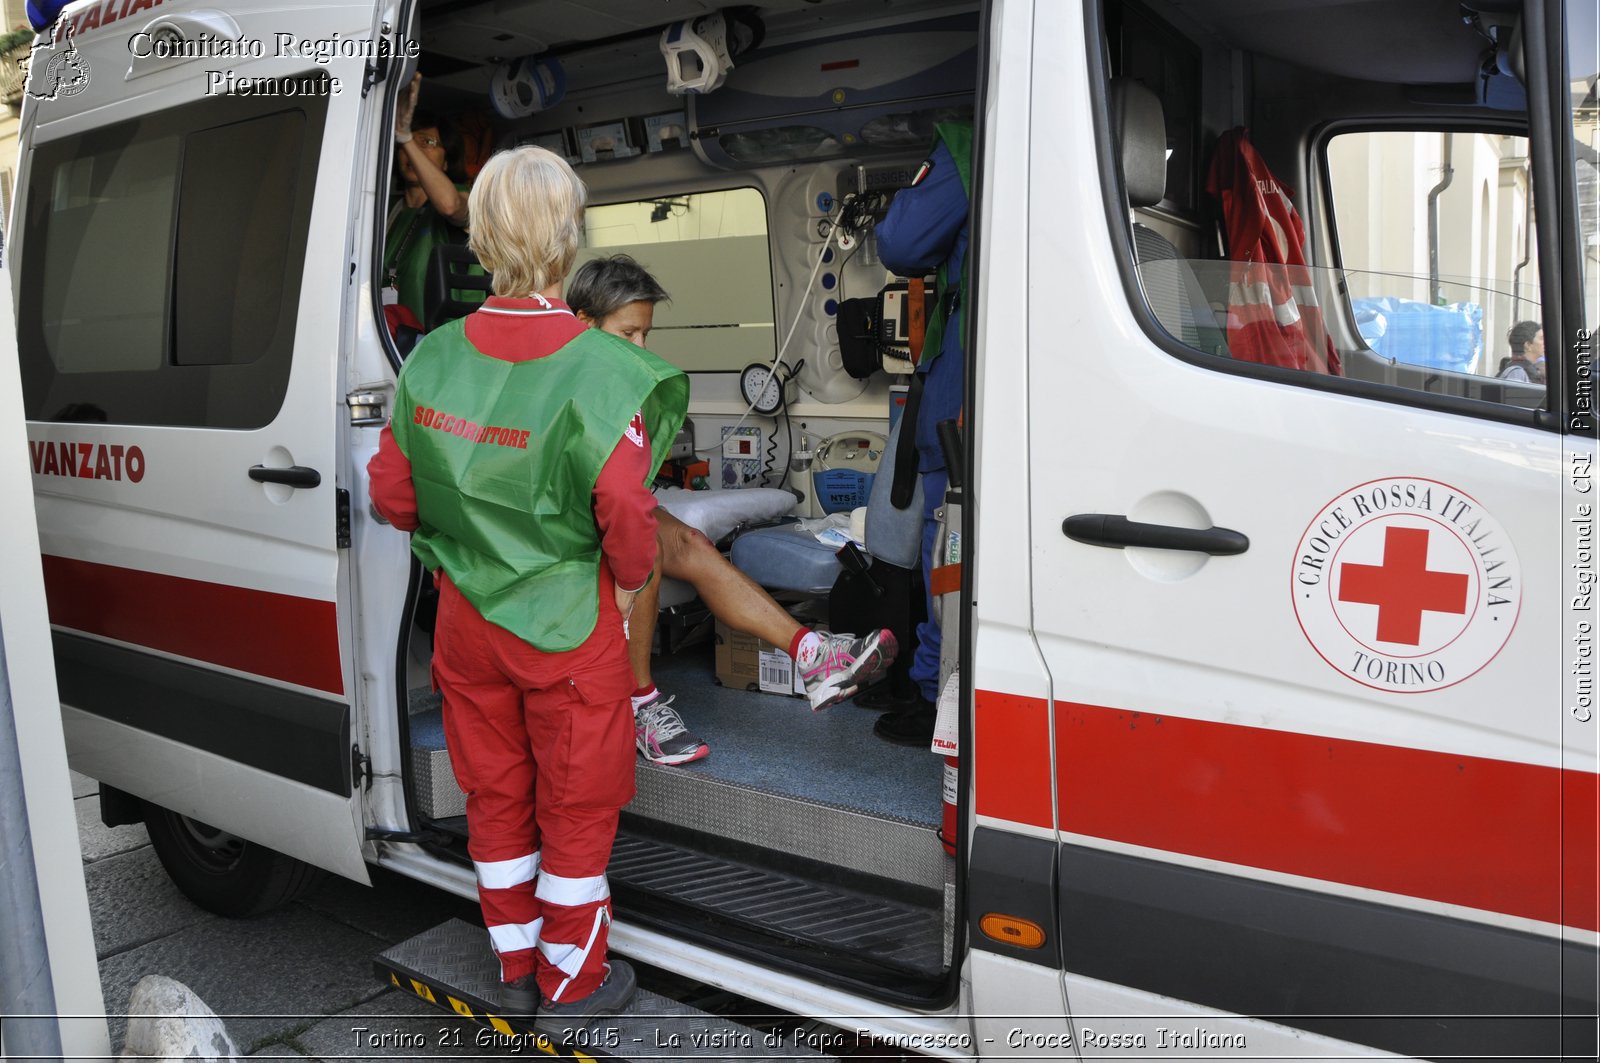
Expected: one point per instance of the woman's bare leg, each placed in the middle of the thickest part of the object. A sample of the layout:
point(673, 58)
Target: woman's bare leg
point(831, 666)
point(733, 598)
point(642, 624)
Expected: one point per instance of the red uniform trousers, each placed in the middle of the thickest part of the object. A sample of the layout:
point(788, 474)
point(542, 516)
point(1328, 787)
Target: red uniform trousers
point(542, 744)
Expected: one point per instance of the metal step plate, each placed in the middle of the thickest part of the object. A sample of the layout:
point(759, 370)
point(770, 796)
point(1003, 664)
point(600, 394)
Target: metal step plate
point(826, 834)
point(887, 933)
point(858, 839)
point(453, 967)
point(851, 838)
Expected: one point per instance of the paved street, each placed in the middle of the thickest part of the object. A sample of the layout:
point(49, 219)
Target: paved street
point(294, 983)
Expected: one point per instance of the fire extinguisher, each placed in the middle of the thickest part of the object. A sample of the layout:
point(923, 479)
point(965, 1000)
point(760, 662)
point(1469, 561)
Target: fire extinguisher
point(944, 584)
point(946, 742)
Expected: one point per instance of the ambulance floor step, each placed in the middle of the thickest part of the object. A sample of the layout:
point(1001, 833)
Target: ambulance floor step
point(883, 932)
point(861, 839)
point(452, 967)
point(834, 835)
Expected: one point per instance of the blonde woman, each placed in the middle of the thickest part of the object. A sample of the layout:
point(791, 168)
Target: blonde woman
point(518, 455)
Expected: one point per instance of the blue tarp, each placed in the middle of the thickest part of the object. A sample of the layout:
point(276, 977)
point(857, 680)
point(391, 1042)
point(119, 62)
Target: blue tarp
point(43, 12)
point(1416, 333)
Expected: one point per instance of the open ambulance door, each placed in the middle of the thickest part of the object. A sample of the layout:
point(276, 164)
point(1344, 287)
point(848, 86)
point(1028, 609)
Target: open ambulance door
point(1307, 629)
point(183, 258)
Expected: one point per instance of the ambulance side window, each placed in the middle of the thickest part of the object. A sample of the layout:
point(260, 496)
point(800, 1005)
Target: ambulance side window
point(1437, 283)
point(1583, 73)
point(1323, 236)
point(238, 183)
point(103, 206)
point(710, 251)
point(1440, 261)
point(162, 263)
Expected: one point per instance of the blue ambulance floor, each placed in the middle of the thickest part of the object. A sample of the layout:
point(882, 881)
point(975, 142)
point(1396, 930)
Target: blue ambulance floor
point(778, 744)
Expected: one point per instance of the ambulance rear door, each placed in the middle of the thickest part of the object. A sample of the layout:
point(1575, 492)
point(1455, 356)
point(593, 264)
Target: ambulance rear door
point(1306, 631)
point(183, 263)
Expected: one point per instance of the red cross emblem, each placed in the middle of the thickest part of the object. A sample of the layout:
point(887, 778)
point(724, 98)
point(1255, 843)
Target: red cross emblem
point(1402, 587)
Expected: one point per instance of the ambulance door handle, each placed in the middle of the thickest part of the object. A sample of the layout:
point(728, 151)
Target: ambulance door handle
point(1116, 531)
point(293, 476)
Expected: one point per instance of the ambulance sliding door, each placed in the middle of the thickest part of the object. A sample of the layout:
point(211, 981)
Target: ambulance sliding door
point(182, 268)
point(1307, 630)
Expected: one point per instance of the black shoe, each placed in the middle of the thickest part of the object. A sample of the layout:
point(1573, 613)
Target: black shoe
point(609, 998)
point(519, 999)
point(885, 698)
point(911, 727)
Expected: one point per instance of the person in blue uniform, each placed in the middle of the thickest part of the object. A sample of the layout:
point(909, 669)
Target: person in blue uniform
point(926, 230)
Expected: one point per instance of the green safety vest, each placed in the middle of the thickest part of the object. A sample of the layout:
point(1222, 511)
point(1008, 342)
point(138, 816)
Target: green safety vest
point(957, 137)
point(504, 458)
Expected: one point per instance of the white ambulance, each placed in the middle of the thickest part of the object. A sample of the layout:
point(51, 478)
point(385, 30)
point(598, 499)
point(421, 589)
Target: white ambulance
point(1275, 614)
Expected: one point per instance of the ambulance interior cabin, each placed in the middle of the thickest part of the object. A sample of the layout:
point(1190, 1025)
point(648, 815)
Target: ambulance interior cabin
point(802, 839)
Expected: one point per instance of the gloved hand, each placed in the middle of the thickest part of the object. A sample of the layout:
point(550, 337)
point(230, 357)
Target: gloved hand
point(625, 602)
point(407, 108)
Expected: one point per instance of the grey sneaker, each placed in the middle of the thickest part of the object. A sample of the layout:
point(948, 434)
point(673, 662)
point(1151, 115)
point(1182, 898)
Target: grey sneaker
point(519, 999)
point(846, 664)
point(609, 998)
point(661, 736)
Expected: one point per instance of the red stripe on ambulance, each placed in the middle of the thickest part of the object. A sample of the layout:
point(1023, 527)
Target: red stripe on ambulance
point(1010, 773)
point(1495, 835)
point(279, 636)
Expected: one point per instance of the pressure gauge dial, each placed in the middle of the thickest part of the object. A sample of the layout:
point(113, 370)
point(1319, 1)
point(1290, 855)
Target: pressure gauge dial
point(762, 388)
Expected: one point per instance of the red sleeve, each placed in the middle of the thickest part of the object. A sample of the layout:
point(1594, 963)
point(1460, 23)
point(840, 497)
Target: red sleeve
point(389, 483)
point(625, 510)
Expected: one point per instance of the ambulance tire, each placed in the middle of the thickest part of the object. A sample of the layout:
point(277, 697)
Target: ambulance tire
point(222, 873)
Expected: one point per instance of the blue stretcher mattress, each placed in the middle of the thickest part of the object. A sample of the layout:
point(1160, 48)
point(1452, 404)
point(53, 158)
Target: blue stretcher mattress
point(786, 558)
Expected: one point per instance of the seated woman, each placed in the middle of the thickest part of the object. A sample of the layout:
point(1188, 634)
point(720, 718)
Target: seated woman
point(617, 295)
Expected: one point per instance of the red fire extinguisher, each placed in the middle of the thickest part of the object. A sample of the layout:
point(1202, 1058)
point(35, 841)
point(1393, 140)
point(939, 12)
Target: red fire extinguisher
point(944, 584)
point(945, 743)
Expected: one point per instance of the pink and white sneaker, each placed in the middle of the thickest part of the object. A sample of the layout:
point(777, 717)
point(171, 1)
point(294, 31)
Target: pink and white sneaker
point(846, 664)
point(659, 732)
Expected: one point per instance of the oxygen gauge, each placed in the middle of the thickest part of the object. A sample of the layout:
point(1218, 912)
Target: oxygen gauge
point(762, 388)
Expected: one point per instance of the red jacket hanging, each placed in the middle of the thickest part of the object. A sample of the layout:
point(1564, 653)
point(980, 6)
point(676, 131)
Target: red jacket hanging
point(1273, 313)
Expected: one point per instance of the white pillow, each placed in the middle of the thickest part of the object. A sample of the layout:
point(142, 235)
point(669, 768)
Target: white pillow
point(716, 513)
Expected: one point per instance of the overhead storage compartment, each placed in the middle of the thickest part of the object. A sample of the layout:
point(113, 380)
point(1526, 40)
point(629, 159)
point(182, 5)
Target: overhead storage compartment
point(846, 95)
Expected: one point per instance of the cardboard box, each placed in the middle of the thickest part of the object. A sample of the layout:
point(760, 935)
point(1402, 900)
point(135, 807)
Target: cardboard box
point(745, 662)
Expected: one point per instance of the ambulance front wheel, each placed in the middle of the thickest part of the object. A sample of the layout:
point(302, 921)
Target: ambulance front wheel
point(223, 873)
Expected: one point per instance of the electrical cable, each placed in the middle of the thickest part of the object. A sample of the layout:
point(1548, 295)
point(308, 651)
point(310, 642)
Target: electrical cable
point(772, 442)
point(777, 360)
point(788, 428)
point(845, 261)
